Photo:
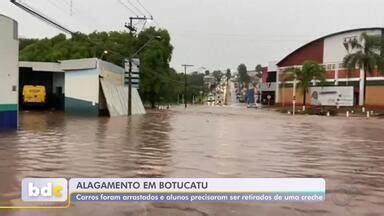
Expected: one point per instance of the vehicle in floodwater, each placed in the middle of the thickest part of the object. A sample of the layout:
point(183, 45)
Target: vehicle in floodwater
point(34, 95)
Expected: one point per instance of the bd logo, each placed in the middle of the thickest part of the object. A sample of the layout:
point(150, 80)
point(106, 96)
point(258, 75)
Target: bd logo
point(44, 190)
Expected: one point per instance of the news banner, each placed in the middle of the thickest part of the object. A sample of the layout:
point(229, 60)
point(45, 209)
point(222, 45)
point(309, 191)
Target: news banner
point(173, 190)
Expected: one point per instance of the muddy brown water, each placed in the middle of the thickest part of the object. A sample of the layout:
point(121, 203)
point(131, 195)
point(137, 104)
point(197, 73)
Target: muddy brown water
point(200, 142)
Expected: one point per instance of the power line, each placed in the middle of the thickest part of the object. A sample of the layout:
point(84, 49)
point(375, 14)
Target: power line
point(54, 3)
point(67, 2)
point(130, 3)
point(41, 16)
point(126, 7)
point(80, 13)
point(67, 7)
point(145, 9)
point(70, 5)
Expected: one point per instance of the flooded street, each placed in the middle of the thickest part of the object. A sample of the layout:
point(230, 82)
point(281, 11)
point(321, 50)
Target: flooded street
point(201, 142)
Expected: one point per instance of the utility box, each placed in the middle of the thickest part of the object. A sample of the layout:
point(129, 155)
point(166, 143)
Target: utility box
point(9, 73)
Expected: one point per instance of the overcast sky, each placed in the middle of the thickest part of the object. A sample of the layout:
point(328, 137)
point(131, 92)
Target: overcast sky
point(216, 34)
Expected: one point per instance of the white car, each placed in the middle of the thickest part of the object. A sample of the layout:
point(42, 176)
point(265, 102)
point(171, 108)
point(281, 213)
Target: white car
point(210, 98)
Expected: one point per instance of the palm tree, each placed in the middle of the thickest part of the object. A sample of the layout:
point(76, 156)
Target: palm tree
point(364, 54)
point(311, 71)
point(228, 74)
point(259, 75)
point(259, 70)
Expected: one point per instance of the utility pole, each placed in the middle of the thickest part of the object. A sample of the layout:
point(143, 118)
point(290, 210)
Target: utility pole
point(185, 83)
point(131, 30)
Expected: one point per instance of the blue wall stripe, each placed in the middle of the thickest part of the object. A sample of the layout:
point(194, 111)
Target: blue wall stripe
point(8, 120)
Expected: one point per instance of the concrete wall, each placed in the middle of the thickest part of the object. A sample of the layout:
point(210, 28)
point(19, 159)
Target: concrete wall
point(111, 72)
point(286, 96)
point(58, 81)
point(115, 93)
point(375, 96)
point(80, 79)
point(82, 91)
point(9, 52)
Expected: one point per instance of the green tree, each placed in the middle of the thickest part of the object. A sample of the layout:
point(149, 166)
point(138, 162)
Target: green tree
point(118, 45)
point(196, 85)
point(218, 75)
point(24, 42)
point(175, 86)
point(158, 82)
point(244, 78)
point(207, 72)
point(364, 54)
point(310, 71)
point(155, 58)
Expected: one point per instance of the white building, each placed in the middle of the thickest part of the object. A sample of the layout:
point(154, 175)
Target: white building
point(9, 54)
point(330, 51)
point(85, 86)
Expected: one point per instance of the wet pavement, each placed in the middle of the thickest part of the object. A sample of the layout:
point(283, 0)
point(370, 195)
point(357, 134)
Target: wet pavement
point(201, 142)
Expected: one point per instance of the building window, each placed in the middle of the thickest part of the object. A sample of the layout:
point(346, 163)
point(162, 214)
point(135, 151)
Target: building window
point(271, 77)
point(330, 67)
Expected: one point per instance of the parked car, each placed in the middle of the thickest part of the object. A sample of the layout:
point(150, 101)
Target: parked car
point(210, 98)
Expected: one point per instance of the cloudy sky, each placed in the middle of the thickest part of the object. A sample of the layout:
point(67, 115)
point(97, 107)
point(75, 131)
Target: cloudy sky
point(216, 34)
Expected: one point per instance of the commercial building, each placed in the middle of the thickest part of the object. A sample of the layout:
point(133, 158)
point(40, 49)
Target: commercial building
point(268, 85)
point(89, 87)
point(330, 51)
point(265, 84)
point(9, 54)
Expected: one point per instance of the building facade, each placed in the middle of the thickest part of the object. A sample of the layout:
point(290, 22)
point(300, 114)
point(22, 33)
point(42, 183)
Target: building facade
point(330, 52)
point(90, 87)
point(265, 84)
point(9, 54)
point(268, 86)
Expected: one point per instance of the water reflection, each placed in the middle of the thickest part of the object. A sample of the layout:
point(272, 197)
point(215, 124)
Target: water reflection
point(9, 163)
point(201, 142)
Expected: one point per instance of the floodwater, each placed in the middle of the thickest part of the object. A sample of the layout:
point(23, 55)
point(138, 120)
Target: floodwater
point(201, 142)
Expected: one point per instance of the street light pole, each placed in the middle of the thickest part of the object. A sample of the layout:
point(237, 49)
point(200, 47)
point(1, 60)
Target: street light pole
point(185, 83)
point(104, 53)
